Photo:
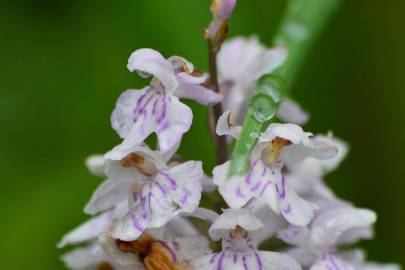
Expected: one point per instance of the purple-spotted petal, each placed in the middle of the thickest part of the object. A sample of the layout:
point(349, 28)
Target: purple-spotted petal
point(149, 62)
point(171, 192)
point(258, 183)
point(139, 113)
point(295, 235)
point(295, 210)
point(248, 260)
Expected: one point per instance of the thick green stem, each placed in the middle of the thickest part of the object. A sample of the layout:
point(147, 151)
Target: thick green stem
point(302, 23)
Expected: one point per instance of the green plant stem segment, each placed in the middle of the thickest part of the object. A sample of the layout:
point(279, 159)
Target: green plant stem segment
point(302, 23)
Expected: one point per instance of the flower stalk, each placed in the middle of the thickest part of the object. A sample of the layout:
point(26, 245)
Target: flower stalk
point(302, 23)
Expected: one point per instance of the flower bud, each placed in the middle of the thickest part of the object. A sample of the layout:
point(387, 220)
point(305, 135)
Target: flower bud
point(223, 9)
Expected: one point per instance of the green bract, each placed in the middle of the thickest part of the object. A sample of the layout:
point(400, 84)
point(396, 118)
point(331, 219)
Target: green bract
point(272, 86)
point(262, 107)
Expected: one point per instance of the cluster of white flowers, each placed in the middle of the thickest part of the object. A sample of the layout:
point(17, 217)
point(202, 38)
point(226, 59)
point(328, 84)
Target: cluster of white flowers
point(146, 212)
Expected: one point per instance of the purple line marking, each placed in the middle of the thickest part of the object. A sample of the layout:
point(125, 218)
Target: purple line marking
point(220, 261)
point(259, 261)
point(135, 223)
point(287, 210)
point(213, 258)
point(268, 183)
point(333, 262)
point(256, 186)
point(164, 109)
point(166, 246)
point(283, 191)
point(244, 262)
point(239, 193)
point(170, 179)
point(160, 187)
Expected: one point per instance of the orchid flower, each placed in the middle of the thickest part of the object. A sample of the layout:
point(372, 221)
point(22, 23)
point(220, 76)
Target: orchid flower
point(265, 180)
point(237, 230)
point(156, 192)
point(316, 244)
point(175, 244)
point(241, 62)
point(154, 250)
point(157, 108)
point(306, 177)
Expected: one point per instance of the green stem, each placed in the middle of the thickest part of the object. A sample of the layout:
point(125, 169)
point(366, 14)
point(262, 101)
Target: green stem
point(302, 23)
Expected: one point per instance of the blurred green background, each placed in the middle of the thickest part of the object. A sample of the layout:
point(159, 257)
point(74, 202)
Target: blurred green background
point(63, 65)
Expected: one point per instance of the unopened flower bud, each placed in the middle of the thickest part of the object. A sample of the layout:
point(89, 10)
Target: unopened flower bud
point(223, 9)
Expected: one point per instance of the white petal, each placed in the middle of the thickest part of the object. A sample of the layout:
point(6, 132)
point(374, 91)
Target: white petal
point(126, 259)
point(88, 230)
point(226, 127)
point(317, 149)
point(197, 93)
point(151, 62)
point(107, 195)
point(204, 214)
point(95, 164)
point(181, 227)
point(294, 235)
point(188, 248)
point(304, 256)
point(278, 261)
point(295, 210)
point(83, 258)
point(329, 226)
point(290, 112)
point(331, 262)
point(232, 218)
point(272, 222)
point(245, 59)
point(290, 132)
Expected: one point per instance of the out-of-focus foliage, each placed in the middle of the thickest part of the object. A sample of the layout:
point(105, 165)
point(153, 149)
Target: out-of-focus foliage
point(63, 64)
